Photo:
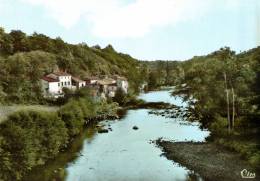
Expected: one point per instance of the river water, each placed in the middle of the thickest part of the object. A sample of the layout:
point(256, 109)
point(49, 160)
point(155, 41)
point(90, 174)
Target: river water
point(125, 154)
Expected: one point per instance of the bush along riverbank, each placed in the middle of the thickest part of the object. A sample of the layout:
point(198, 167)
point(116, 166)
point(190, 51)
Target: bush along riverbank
point(30, 138)
point(223, 89)
point(223, 156)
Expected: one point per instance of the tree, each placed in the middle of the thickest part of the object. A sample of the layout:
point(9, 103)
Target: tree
point(20, 41)
point(6, 43)
point(152, 80)
point(41, 42)
point(120, 96)
point(22, 75)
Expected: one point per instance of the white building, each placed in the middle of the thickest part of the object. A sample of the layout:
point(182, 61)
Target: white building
point(107, 86)
point(78, 83)
point(91, 80)
point(53, 83)
point(50, 86)
point(122, 83)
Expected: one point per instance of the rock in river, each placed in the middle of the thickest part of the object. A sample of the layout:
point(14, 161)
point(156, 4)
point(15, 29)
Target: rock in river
point(135, 128)
point(102, 131)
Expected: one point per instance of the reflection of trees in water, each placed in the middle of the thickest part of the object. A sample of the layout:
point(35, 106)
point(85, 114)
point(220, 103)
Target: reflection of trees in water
point(55, 170)
point(192, 176)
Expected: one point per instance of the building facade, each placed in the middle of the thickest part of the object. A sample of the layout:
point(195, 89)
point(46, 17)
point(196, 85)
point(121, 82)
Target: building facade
point(53, 83)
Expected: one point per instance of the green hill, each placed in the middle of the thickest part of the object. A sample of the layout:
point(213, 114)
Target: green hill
point(24, 59)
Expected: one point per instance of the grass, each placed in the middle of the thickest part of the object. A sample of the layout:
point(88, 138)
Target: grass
point(7, 110)
point(247, 148)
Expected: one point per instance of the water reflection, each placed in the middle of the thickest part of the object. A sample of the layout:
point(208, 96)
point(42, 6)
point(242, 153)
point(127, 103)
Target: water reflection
point(55, 170)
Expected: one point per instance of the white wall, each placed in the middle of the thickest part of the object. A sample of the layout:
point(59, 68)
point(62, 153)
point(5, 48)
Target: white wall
point(50, 87)
point(65, 81)
point(93, 81)
point(123, 85)
point(82, 84)
point(54, 88)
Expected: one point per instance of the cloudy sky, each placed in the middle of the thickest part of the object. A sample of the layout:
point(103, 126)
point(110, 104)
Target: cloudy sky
point(145, 29)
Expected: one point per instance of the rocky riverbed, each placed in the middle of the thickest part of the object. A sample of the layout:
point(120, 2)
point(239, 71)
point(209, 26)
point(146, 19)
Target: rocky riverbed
point(210, 161)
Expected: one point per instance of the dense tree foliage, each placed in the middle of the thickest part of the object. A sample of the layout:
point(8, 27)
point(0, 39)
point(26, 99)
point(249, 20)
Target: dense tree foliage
point(161, 73)
point(30, 138)
point(20, 75)
point(226, 89)
point(25, 58)
point(120, 96)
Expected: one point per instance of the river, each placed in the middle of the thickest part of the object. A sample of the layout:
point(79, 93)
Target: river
point(125, 154)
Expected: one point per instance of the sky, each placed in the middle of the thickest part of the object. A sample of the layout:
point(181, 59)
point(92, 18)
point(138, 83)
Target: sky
point(145, 29)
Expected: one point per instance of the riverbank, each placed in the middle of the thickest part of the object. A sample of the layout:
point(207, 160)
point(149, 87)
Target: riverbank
point(34, 136)
point(212, 162)
point(117, 146)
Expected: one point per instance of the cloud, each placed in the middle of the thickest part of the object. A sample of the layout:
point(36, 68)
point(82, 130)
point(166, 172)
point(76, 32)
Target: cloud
point(121, 19)
point(139, 18)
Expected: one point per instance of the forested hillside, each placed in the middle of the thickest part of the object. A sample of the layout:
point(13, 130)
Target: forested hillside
point(24, 59)
point(226, 87)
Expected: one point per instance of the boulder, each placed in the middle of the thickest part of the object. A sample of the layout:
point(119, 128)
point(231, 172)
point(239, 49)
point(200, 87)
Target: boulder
point(135, 128)
point(102, 131)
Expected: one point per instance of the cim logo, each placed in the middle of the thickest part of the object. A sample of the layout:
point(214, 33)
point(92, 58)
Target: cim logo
point(246, 174)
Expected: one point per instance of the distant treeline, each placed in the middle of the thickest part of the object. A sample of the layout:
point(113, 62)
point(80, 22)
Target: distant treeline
point(24, 59)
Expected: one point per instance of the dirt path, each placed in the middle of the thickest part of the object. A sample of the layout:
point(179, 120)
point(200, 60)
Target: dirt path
point(207, 159)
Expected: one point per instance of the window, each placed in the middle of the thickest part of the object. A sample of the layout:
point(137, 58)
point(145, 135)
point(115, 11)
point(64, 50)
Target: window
point(61, 83)
point(68, 83)
point(65, 83)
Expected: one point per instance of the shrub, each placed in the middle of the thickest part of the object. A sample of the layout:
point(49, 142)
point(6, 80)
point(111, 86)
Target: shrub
point(255, 159)
point(28, 139)
point(120, 96)
point(72, 115)
point(218, 127)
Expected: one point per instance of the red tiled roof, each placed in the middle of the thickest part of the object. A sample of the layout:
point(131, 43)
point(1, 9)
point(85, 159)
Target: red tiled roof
point(49, 79)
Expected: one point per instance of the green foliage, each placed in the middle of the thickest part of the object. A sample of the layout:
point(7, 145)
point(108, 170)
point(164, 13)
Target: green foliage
point(219, 126)
point(152, 81)
point(25, 59)
point(120, 96)
point(205, 82)
point(255, 159)
point(72, 115)
point(203, 79)
point(162, 73)
point(104, 108)
point(21, 73)
point(28, 139)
